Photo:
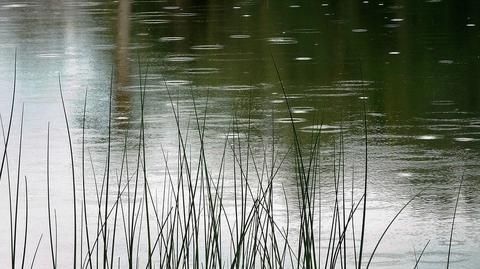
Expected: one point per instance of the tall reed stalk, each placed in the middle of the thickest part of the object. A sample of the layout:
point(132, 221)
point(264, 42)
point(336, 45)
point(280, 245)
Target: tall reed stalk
point(220, 211)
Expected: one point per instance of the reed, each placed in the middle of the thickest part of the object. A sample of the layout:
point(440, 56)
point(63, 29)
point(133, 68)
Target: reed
point(12, 107)
point(72, 164)
point(49, 210)
point(453, 222)
point(207, 212)
point(417, 261)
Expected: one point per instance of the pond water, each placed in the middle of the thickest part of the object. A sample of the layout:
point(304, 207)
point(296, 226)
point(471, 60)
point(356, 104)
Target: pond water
point(414, 64)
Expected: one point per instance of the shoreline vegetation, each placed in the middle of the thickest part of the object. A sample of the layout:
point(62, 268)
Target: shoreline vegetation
point(190, 224)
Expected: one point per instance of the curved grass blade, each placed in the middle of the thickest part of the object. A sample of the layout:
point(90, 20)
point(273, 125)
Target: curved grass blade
point(453, 223)
point(36, 250)
point(26, 224)
point(391, 222)
point(17, 192)
point(73, 177)
point(420, 256)
point(54, 262)
point(11, 115)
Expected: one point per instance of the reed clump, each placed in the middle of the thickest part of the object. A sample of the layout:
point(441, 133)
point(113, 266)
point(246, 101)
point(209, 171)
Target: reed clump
point(202, 214)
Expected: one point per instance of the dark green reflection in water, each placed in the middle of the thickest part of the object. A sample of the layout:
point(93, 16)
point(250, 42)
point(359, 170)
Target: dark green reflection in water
point(438, 52)
point(412, 59)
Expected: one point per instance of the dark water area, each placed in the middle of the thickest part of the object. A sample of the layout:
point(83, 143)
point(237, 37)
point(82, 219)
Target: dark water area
point(415, 65)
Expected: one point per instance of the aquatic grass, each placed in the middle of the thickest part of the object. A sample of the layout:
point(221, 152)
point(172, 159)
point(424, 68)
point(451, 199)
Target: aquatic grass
point(14, 201)
point(15, 210)
point(391, 222)
point(25, 234)
point(87, 234)
point(307, 246)
point(144, 161)
point(9, 195)
point(6, 140)
point(49, 210)
point(198, 222)
point(453, 222)
point(255, 211)
point(72, 162)
point(364, 214)
point(417, 260)
point(36, 251)
point(107, 185)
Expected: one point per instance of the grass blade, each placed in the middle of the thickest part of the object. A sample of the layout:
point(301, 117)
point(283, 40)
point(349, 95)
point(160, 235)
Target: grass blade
point(73, 177)
point(453, 223)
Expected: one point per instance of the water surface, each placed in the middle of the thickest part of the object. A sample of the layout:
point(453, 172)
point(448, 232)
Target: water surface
point(415, 65)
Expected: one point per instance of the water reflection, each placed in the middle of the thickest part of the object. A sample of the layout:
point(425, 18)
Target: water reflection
point(122, 98)
point(414, 62)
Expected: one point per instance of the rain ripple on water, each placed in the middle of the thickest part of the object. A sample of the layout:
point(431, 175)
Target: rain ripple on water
point(444, 127)
point(290, 120)
point(282, 41)
point(171, 38)
point(201, 71)
point(207, 47)
point(428, 137)
point(237, 88)
point(465, 139)
point(302, 109)
point(322, 128)
point(303, 58)
point(179, 58)
point(239, 36)
point(185, 14)
point(177, 82)
point(359, 30)
point(154, 21)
